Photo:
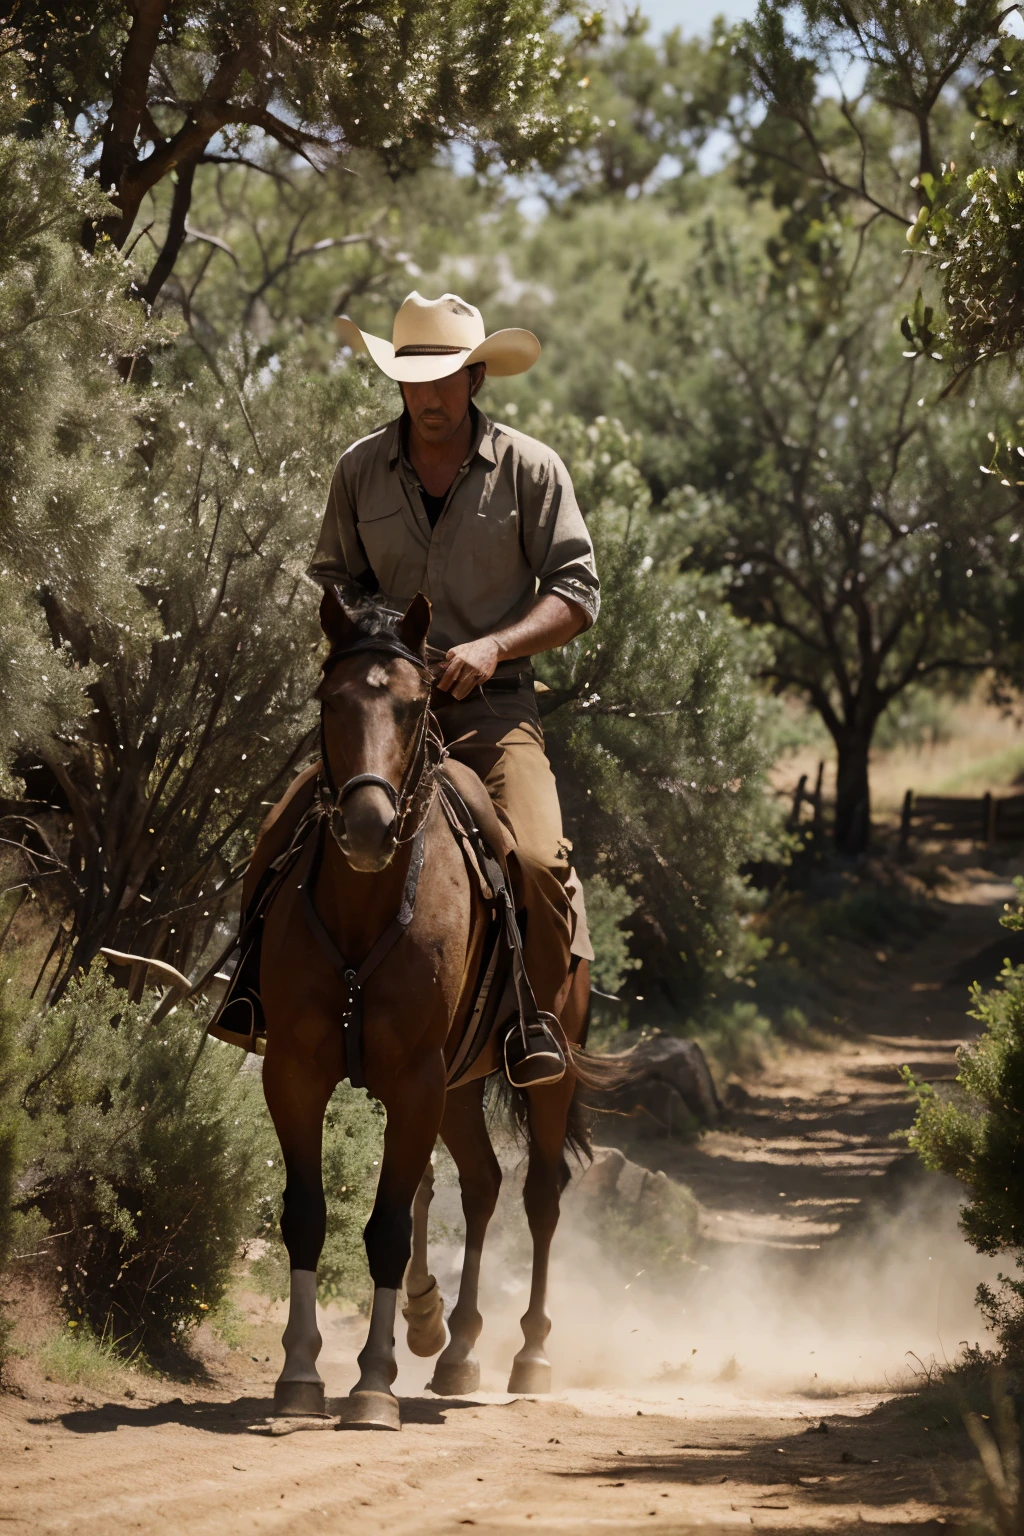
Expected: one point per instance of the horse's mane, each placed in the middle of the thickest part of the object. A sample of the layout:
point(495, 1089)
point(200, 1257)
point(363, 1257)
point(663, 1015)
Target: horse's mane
point(372, 618)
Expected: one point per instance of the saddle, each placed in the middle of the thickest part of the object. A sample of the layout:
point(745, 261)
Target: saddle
point(502, 994)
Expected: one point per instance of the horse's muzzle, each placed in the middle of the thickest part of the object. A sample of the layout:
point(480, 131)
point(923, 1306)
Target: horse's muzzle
point(369, 837)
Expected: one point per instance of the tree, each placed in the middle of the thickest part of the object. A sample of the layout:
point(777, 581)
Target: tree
point(947, 76)
point(62, 422)
point(204, 662)
point(272, 252)
point(653, 107)
point(974, 1133)
point(164, 89)
point(658, 734)
point(853, 522)
point(881, 146)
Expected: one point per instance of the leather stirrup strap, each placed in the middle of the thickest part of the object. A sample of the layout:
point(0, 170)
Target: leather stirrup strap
point(526, 1002)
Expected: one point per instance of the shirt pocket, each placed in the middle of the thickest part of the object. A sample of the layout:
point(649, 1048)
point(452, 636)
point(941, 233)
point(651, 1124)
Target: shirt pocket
point(394, 555)
point(488, 553)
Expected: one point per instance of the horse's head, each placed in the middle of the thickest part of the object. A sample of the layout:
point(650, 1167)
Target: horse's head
point(374, 695)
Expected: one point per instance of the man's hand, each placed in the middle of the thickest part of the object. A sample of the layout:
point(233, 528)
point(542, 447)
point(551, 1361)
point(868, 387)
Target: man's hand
point(469, 665)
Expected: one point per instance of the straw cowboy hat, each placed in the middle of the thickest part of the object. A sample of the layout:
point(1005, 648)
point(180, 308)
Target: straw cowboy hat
point(433, 338)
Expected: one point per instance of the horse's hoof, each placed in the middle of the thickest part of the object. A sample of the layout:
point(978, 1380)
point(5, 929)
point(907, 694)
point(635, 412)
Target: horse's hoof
point(453, 1378)
point(425, 1318)
point(369, 1410)
point(298, 1399)
point(530, 1376)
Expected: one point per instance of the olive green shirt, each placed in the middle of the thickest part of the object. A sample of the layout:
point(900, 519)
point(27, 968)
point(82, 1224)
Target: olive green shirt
point(510, 531)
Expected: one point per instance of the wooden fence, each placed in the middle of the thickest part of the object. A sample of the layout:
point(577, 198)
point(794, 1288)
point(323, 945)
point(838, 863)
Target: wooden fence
point(803, 796)
point(984, 820)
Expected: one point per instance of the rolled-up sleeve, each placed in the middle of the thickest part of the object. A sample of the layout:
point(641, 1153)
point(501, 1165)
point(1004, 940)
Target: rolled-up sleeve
point(555, 537)
point(339, 555)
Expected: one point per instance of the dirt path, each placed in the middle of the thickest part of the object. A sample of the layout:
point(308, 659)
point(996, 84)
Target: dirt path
point(760, 1396)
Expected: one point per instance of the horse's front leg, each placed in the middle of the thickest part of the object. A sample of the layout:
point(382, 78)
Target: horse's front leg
point(414, 1100)
point(297, 1095)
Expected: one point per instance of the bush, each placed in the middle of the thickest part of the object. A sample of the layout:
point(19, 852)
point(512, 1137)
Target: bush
point(151, 1165)
point(608, 907)
point(976, 1134)
point(8, 1141)
point(78, 1359)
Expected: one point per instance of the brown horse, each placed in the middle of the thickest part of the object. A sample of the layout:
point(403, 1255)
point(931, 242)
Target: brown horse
point(380, 814)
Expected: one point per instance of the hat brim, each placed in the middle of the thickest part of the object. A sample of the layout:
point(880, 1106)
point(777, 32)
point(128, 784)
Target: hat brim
point(504, 353)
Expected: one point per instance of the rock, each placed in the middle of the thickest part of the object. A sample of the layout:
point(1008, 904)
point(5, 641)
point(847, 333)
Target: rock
point(673, 1088)
point(647, 1221)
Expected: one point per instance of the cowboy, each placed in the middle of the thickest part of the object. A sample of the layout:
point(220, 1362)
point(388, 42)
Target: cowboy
point(484, 522)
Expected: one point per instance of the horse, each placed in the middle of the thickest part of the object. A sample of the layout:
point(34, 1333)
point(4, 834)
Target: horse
point(387, 876)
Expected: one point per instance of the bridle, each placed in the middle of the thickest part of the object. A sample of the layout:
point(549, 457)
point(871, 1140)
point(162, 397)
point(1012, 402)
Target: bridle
point(403, 799)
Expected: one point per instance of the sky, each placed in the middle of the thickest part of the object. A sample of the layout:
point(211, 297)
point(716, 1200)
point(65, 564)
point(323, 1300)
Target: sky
point(695, 16)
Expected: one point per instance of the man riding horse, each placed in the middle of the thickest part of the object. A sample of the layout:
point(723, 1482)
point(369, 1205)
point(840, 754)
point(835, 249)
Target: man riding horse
point(484, 522)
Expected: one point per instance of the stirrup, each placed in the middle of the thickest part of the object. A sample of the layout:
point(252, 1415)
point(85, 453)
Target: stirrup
point(533, 1055)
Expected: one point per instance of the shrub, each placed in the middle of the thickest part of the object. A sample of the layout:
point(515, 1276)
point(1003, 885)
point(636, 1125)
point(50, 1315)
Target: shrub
point(8, 1141)
point(976, 1134)
point(78, 1359)
point(735, 1036)
point(608, 907)
point(150, 1164)
point(352, 1150)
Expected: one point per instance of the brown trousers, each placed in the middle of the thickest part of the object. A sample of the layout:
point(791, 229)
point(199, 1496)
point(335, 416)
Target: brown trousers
point(499, 736)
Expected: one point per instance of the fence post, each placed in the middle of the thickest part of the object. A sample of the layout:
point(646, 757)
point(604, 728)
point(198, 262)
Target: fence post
point(908, 808)
point(794, 815)
point(818, 821)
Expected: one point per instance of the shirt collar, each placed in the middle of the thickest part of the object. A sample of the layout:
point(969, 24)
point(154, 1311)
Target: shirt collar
point(482, 442)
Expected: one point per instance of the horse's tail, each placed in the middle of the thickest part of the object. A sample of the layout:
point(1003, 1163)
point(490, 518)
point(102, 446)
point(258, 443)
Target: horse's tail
point(592, 1074)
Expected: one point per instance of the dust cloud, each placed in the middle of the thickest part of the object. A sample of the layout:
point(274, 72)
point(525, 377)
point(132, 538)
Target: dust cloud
point(893, 1296)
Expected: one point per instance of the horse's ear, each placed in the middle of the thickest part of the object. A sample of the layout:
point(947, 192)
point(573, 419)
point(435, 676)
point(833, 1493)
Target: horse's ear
point(414, 623)
point(334, 619)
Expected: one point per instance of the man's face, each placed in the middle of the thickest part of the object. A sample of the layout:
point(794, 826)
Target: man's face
point(438, 409)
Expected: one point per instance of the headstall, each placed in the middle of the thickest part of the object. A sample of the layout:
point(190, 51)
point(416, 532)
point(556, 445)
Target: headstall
point(403, 799)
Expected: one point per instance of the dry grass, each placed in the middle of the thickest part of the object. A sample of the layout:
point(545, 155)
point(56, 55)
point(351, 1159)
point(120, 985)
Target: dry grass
point(984, 751)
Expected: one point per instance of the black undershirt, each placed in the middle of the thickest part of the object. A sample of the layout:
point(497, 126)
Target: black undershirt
point(433, 506)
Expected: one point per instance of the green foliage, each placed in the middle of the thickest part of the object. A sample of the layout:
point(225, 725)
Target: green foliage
point(651, 104)
point(62, 316)
point(917, 718)
point(150, 1166)
point(853, 522)
point(911, 58)
point(608, 907)
point(976, 1134)
point(658, 736)
point(8, 1139)
point(77, 1358)
point(203, 653)
point(352, 1150)
point(171, 88)
point(736, 1037)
